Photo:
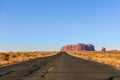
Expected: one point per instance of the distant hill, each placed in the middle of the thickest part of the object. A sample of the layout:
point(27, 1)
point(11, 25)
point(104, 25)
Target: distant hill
point(78, 47)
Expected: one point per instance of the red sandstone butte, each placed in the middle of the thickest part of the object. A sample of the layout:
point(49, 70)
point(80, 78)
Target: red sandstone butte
point(78, 47)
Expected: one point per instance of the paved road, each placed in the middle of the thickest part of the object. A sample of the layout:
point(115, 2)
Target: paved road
point(59, 67)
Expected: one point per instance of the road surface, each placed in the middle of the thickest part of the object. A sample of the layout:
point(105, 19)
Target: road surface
point(59, 67)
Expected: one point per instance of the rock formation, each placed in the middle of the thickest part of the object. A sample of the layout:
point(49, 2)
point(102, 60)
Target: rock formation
point(103, 49)
point(78, 47)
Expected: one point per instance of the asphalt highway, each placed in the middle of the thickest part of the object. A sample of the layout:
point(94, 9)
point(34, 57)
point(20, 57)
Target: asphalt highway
point(59, 67)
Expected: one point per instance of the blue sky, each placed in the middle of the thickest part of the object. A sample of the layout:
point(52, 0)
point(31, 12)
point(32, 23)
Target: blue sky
point(35, 25)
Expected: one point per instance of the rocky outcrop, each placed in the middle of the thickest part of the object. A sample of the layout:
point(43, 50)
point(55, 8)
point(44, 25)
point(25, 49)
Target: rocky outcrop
point(103, 49)
point(78, 47)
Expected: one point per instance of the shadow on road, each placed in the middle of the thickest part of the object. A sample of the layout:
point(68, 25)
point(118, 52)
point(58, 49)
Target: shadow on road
point(113, 77)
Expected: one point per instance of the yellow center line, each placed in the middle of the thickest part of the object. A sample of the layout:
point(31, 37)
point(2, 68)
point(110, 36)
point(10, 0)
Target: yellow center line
point(50, 69)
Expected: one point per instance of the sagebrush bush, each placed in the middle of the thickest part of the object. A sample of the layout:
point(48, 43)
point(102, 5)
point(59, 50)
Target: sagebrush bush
point(4, 56)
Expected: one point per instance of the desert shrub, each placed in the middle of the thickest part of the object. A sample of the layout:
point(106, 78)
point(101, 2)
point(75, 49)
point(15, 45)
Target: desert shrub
point(13, 55)
point(26, 55)
point(4, 56)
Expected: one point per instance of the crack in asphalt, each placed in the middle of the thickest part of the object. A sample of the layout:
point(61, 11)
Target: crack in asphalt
point(6, 73)
point(32, 71)
point(49, 69)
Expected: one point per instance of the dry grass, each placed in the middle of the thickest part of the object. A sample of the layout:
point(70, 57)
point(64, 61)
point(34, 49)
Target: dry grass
point(111, 58)
point(14, 57)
